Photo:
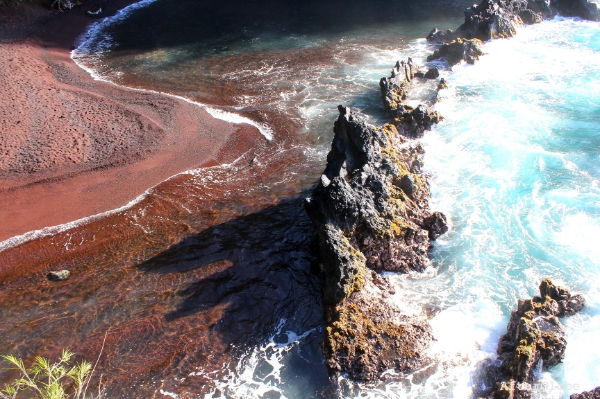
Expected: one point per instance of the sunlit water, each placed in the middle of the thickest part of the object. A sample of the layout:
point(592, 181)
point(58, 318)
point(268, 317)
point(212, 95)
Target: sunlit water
point(514, 167)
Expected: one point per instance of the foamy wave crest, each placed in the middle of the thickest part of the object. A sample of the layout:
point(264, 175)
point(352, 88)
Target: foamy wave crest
point(238, 119)
point(95, 41)
point(258, 372)
point(61, 228)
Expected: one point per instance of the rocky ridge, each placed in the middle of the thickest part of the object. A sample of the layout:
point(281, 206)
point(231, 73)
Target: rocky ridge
point(493, 19)
point(594, 394)
point(371, 213)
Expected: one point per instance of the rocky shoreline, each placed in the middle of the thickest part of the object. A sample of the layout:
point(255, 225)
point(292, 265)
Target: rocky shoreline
point(371, 214)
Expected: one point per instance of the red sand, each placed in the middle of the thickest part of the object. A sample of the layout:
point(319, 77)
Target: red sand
point(71, 147)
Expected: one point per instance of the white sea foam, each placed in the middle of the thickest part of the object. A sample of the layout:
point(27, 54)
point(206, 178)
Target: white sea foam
point(94, 40)
point(92, 43)
point(203, 173)
point(54, 230)
point(521, 194)
point(244, 380)
point(238, 119)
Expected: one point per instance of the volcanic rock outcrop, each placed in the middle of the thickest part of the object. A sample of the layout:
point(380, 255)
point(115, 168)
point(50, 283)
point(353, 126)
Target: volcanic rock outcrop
point(594, 394)
point(534, 339)
point(371, 213)
point(492, 19)
point(412, 122)
point(500, 18)
point(459, 50)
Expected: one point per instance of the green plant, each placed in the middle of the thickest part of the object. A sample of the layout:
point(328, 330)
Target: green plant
point(48, 380)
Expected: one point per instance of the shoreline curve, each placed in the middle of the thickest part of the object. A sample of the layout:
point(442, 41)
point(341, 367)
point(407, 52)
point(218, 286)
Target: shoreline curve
point(169, 135)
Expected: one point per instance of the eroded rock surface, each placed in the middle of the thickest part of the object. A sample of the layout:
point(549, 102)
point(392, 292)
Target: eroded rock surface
point(535, 339)
point(594, 394)
point(59, 275)
point(371, 213)
point(459, 50)
point(492, 19)
point(410, 121)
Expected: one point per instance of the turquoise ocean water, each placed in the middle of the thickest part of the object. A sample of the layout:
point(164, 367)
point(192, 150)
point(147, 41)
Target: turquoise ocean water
point(515, 167)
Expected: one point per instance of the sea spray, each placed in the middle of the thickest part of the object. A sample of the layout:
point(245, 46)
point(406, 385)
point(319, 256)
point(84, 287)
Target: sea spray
point(514, 168)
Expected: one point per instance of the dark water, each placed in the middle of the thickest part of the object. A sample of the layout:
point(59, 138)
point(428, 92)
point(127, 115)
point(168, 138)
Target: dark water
point(207, 284)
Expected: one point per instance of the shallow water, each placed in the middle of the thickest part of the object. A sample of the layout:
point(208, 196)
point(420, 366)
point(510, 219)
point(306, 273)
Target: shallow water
point(204, 287)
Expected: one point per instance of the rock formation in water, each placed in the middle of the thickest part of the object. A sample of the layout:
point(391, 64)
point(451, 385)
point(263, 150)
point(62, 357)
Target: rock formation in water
point(412, 122)
point(501, 18)
point(371, 213)
point(459, 50)
point(586, 9)
point(534, 340)
point(594, 394)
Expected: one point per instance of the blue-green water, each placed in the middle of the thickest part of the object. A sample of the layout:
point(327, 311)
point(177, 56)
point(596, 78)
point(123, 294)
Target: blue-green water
point(514, 167)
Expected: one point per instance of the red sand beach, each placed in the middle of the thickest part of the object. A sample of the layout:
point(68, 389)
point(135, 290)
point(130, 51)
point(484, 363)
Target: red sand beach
point(71, 146)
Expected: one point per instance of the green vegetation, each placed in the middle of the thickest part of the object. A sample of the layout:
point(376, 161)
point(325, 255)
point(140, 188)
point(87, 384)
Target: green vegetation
point(45, 380)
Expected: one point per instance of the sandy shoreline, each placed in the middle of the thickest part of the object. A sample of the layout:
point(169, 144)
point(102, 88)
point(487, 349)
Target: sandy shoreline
point(74, 147)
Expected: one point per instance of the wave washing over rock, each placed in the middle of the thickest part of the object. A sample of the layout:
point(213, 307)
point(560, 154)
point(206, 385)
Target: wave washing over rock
point(534, 340)
point(371, 213)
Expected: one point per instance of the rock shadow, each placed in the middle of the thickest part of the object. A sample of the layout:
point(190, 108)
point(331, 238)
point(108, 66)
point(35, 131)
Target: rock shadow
point(260, 268)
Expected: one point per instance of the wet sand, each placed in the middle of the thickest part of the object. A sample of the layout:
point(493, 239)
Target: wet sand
point(71, 146)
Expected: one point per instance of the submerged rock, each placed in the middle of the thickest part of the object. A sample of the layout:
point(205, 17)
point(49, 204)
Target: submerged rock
point(432, 73)
point(371, 213)
point(443, 84)
point(594, 394)
point(59, 275)
point(436, 225)
point(535, 339)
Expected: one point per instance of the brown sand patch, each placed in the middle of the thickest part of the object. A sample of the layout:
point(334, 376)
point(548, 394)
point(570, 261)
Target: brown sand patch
point(71, 147)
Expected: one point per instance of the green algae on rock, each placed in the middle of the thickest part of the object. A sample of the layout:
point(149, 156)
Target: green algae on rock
point(535, 338)
point(371, 213)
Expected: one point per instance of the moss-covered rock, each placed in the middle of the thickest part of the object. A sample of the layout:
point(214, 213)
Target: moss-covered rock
point(370, 210)
point(365, 337)
point(534, 338)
